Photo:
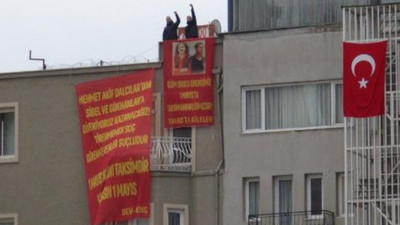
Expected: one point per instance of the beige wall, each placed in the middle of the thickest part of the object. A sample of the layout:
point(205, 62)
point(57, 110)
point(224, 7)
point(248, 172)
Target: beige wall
point(278, 57)
point(47, 185)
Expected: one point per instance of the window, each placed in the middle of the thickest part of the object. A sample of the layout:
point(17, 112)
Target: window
point(176, 214)
point(8, 219)
point(339, 103)
point(145, 221)
point(283, 194)
point(340, 195)
point(252, 196)
point(291, 106)
point(8, 132)
point(140, 222)
point(314, 195)
point(182, 145)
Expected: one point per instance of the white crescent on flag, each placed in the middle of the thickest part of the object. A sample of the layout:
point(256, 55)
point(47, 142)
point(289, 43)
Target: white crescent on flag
point(360, 58)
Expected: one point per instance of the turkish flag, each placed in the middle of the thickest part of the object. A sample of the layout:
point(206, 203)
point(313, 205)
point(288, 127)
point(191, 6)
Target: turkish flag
point(364, 79)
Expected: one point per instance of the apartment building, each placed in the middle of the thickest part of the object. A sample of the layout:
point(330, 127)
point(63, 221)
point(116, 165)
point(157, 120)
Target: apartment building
point(41, 164)
point(284, 131)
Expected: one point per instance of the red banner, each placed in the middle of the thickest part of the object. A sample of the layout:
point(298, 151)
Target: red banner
point(115, 125)
point(364, 79)
point(188, 83)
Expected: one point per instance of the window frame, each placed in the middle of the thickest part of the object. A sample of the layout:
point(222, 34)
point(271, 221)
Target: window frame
point(246, 182)
point(276, 191)
point(340, 191)
point(183, 210)
point(6, 108)
point(262, 88)
point(9, 217)
point(309, 177)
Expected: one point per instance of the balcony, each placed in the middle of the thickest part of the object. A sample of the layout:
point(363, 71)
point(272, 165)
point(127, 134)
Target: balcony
point(294, 218)
point(172, 154)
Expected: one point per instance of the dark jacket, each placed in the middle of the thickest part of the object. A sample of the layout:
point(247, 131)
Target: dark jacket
point(191, 28)
point(171, 30)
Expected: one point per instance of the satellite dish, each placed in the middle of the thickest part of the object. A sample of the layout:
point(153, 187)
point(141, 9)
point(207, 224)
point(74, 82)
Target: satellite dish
point(217, 26)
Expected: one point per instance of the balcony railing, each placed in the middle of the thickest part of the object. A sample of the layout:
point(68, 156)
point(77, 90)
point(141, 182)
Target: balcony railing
point(171, 154)
point(294, 218)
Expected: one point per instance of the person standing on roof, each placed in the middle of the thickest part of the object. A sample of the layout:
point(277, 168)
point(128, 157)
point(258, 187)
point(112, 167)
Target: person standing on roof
point(191, 28)
point(170, 30)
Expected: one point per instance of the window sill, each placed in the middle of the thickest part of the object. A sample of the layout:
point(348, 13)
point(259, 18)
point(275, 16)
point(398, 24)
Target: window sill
point(258, 131)
point(8, 159)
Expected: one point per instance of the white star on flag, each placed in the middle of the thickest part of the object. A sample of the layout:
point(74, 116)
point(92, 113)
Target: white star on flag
point(363, 83)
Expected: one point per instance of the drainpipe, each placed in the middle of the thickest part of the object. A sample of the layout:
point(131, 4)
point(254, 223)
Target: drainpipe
point(218, 77)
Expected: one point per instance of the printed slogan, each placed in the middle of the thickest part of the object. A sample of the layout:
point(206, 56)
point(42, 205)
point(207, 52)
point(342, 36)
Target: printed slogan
point(115, 127)
point(188, 83)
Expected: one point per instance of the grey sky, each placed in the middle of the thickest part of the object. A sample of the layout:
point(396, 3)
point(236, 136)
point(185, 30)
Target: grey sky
point(81, 32)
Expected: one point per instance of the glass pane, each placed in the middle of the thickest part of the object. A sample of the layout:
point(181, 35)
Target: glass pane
point(253, 109)
point(285, 201)
point(254, 197)
point(7, 221)
point(7, 131)
point(285, 196)
point(183, 132)
point(141, 222)
point(298, 106)
point(339, 103)
point(174, 218)
point(182, 148)
point(316, 196)
point(342, 195)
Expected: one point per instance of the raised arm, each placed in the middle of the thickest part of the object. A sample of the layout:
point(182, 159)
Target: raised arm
point(178, 20)
point(193, 14)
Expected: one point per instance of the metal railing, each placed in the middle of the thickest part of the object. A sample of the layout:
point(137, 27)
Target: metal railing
point(171, 154)
point(322, 217)
point(372, 149)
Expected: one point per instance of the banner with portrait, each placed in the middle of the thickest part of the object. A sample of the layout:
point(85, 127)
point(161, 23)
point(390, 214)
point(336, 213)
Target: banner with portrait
point(188, 83)
point(115, 126)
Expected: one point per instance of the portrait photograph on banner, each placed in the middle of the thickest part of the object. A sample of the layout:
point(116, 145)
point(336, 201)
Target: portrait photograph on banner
point(189, 58)
point(188, 83)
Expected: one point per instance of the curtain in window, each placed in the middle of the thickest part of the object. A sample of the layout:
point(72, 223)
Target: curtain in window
point(253, 109)
point(254, 197)
point(174, 218)
point(9, 133)
point(339, 103)
point(285, 201)
point(298, 106)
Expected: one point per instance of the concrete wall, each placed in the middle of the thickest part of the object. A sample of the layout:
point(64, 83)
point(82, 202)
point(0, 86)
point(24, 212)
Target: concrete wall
point(244, 15)
point(47, 185)
point(279, 57)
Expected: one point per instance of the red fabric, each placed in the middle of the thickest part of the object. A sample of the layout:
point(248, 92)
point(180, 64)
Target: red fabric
point(188, 90)
point(115, 123)
point(364, 79)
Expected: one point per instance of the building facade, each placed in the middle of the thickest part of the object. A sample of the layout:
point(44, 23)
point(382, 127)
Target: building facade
point(275, 155)
point(284, 130)
point(41, 164)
